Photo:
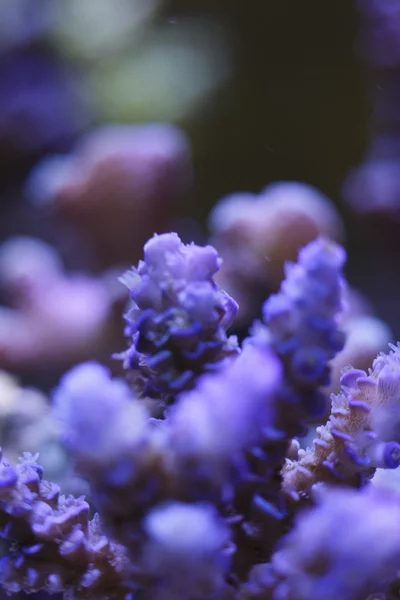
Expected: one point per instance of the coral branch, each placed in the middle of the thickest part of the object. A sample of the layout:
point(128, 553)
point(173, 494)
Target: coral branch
point(179, 317)
point(54, 545)
point(362, 433)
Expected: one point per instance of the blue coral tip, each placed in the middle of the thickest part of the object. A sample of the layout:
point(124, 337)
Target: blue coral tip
point(391, 455)
point(349, 378)
point(267, 508)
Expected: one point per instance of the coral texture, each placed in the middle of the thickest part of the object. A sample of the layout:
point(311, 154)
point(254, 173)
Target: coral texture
point(362, 433)
point(179, 316)
point(215, 499)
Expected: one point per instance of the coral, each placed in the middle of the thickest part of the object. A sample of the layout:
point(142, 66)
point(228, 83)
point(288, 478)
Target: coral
point(197, 441)
point(196, 456)
point(54, 545)
point(214, 499)
point(362, 433)
point(346, 547)
point(124, 178)
point(373, 187)
point(257, 234)
point(27, 421)
point(302, 324)
point(42, 95)
point(179, 316)
point(165, 425)
point(55, 318)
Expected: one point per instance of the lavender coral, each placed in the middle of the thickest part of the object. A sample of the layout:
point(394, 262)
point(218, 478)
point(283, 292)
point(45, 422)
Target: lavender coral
point(347, 547)
point(362, 433)
point(179, 316)
point(54, 545)
point(201, 441)
point(303, 326)
point(208, 500)
point(196, 457)
point(373, 187)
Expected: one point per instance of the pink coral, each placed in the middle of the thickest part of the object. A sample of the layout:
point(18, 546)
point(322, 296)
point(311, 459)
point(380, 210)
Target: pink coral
point(118, 186)
point(256, 234)
point(56, 318)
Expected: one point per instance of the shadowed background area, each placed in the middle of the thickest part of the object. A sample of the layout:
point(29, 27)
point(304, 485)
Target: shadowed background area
point(264, 92)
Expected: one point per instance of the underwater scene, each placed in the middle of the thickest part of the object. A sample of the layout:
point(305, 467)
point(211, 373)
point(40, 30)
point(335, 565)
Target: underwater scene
point(200, 299)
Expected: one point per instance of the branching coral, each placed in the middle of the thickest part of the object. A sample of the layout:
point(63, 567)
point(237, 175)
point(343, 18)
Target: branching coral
point(347, 547)
point(194, 504)
point(54, 545)
point(195, 456)
point(373, 187)
point(179, 317)
point(302, 327)
point(362, 433)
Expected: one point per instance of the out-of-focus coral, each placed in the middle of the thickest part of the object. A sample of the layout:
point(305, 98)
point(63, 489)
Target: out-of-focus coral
point(119, 186)
point(256, 234)
point(172, 74)
point(27, 422)
point(94, 29)
point(387, 478)
point(23, 22)
point(346, 547)
point(193, 537)
point(55, 318)
point(194, 456)
point(42, 103)
point(374, 186)
point(379, 40)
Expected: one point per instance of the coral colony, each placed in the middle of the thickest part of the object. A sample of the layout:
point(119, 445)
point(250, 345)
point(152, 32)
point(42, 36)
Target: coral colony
point(199, 485)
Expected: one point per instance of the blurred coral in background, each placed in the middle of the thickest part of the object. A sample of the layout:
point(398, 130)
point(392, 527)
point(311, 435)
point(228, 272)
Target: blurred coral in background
point(124, 178)
point(55, 318)
point(256, 235)
point(374, 186)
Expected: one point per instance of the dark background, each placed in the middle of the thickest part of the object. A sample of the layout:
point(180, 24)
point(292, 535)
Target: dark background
point(296, 108)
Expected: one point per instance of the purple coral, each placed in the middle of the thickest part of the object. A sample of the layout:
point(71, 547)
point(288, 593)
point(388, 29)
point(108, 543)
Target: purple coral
point(195, 504)
point(179, 317)
point(361, 434)
point(202, 441)
point(98, 417)
point(195, 458)
point(54, 545)
point(373, 187)
point(346, 547)
point(302, 323)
